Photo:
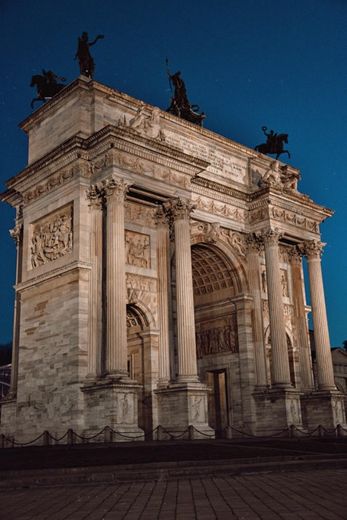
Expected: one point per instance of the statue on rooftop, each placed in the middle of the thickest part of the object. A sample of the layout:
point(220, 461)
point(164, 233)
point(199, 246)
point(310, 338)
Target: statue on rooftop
point(46, 85)
point(274, 143)
point(86, 62)
point(180, 105)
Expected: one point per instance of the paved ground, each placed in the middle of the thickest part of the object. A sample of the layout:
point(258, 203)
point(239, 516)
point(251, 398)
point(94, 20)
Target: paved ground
point(310, 495)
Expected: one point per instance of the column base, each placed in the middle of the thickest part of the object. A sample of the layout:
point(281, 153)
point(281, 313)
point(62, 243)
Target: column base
point(182, 411)
point(324, 408)
point(112, 403)
point(277, 409)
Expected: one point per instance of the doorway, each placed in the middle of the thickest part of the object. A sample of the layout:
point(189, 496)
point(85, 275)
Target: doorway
point(217, 401)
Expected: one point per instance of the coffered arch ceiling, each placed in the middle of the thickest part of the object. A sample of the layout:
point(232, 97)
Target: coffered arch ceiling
point(213, 271)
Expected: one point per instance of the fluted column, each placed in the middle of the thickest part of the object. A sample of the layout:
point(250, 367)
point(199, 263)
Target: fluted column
point(306, 374)
point(254, 248)
point(280, 361)
point(163, 281)
point(325, 373)
point(95, 293)
point(186, 347)
point(116, 331)
point(17, 234)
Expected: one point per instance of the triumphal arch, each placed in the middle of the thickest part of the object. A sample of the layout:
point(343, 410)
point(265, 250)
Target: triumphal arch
point(160, 280)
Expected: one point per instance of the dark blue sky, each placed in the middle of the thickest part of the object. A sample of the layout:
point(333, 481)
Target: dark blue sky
point(247, 63)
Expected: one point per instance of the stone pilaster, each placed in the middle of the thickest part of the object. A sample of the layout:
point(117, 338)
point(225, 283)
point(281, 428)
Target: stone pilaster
point(186, 346)
point(313, 250)
point(254, 248)
point(306, 374)
point(17, 234)
point(280, 361)
point(116, 331)
point(95, 368)
point(163, 282)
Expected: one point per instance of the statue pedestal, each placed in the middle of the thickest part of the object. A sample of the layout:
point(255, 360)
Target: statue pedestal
point(112, 403)
point(277, 409)
point(182, 406)
point(324, 408)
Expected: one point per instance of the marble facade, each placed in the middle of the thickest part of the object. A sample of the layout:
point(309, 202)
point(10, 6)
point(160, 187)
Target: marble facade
point(159, 279)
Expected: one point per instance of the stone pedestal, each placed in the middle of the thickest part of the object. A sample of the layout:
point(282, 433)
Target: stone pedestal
point(324, 408)
point(277, 409)
point(112, 404)
point(181, 406)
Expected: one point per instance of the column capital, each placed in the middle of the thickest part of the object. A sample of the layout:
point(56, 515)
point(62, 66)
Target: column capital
point(115, 188)
point(179, 209)
point(94, 195)
point(15, 232)
point(313, 248)
point(254, 243)
point(295, 254)
point(161, 216)
point(271, 237)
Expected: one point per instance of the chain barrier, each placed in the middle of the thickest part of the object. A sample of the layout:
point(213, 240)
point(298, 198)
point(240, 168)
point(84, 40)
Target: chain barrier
point(110, 435)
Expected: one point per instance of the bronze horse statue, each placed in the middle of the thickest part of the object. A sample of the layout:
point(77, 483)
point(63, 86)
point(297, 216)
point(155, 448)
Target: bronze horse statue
point(274, 143)
point(46, 85)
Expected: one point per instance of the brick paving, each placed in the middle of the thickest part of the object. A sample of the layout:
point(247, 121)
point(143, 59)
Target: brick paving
point(310, 495)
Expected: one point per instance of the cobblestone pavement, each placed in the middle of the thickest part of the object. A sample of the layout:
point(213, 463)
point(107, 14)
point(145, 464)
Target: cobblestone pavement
point(310, 495)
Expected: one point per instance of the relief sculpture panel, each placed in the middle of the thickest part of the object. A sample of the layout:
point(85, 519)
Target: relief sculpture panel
point(137, 249)
point(51, 237)
point(217, 339)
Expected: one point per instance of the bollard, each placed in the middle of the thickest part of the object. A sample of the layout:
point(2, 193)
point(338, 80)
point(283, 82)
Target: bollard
point(69, 440)
point(339, 431)
point(228, 432)
point(2, 441)
point(320, 431)
point(292, 431)
point(191, 432)
point(160, 433)
point(108, 434)
point(45, 438)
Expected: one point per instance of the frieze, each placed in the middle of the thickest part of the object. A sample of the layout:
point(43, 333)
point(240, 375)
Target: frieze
point(224, 210)
point(290, 217)
point(52, 237)
point(53, 182)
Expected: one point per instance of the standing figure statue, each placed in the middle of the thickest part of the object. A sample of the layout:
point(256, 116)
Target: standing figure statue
point(180, 105)
point(274, 143)
point(86, 62)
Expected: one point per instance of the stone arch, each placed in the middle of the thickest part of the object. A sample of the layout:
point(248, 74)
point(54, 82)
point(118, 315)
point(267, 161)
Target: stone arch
point(232, 258)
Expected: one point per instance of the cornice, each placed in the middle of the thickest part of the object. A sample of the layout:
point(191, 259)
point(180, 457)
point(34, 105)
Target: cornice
point(53, 273)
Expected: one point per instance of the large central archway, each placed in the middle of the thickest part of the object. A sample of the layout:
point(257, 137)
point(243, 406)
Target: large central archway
point(216, 283)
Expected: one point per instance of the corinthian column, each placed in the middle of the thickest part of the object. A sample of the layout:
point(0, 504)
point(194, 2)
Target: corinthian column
point(95, 293)
point(279, 350)
point(163, 277)
point(186, 347)
point(116, 329)
point(313, 250)
point(17, 234)
point(306, 374)
point(254, 248)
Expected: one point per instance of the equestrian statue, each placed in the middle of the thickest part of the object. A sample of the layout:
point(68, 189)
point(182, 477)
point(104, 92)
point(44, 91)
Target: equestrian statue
point(46, 85)
point(274, 143)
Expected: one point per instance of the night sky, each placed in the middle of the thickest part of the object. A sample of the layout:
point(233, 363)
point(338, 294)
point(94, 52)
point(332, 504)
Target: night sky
point(247, 63)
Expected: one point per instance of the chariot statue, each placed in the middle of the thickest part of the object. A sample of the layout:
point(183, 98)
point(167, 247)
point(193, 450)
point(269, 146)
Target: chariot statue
point(180, 105)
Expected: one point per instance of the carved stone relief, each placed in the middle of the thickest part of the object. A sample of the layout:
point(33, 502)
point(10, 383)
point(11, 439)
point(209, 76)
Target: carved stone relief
point(214, 340)
point(212, 231)
point(139, 214)
point(50, 184)
point(284, 283)
point(224, 210)
point(144, 124)
point(137, 249)
point(52, 237)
